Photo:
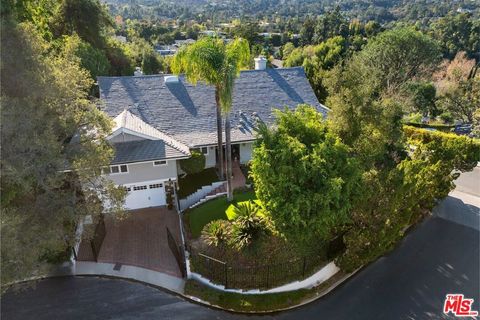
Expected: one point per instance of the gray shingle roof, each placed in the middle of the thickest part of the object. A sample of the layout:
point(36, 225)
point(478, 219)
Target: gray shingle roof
point(144, 150)
point(127, 121)
point(187, 112)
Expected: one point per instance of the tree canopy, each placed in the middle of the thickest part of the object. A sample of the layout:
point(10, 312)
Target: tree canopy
point(218, 64)
point(369, 96)
point(87, 18)
point(394, 199)
point(304, 175)
point(50, 157)
point(91, 59)
point(457, 32)
point(398, 55)
point(316, 60)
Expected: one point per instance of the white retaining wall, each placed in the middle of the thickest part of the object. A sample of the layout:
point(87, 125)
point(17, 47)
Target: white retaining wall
point(198, 195)
point(314, 280)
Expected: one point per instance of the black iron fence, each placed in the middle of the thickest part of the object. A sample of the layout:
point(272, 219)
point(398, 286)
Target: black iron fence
point(255, 276)
point(178, 253)
point(98, 237)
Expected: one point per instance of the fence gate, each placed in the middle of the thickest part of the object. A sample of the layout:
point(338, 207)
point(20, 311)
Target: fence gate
point(96, 242)
point(178, 253)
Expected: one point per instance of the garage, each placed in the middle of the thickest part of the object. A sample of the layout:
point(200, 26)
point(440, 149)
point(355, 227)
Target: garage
point(145, 194)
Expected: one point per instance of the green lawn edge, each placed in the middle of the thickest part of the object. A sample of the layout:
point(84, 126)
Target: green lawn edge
point(212, 210)
point(259, 303)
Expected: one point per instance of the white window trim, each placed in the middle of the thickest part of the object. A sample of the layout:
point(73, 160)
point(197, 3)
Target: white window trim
point(148, 182)
point(119, 170)
point(160, 165)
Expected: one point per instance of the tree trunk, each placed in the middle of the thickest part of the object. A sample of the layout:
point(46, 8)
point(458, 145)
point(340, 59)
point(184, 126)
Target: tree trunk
point(229, 157)
point(219, 136)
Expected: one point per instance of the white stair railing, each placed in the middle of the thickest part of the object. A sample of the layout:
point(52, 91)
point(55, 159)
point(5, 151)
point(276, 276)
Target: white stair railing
point(199, 195)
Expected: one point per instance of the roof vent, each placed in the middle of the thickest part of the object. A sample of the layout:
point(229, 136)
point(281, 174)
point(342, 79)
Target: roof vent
point(171, 79)
point(260, 63)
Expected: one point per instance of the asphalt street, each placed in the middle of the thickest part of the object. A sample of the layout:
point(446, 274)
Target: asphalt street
point(440, 256)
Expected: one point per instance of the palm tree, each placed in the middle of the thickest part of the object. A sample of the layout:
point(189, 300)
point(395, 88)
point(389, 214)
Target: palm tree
point(217, 64)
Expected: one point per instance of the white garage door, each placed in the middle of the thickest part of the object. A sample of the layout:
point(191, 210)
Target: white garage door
point(146, 194)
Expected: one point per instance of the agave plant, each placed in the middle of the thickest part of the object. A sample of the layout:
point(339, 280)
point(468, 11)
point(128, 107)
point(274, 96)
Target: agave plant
point(245, 208)
point(248, 225)
point(216, 233)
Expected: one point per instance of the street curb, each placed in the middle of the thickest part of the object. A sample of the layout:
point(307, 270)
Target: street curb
point(194, 299)
point(55, 276)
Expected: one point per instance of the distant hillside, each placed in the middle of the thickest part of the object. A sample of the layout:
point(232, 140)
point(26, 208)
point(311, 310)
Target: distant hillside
point(221, 10)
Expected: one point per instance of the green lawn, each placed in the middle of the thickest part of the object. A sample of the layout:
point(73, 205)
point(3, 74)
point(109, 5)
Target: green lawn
point(213, 210)
point(192, 182)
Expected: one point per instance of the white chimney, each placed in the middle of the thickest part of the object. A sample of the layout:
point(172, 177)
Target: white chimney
point(138, 72)
point(260, 63)
point(171, 79)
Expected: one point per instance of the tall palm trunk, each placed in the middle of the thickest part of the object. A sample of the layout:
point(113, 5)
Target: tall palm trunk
point(219, 135)
point(229, 157)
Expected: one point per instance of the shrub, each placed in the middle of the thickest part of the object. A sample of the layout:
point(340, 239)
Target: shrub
point(438, 127)
point(413, 118)
point(398, 198)
point(248, 225)
point(446, 117)
point(56, 256)
point(304, 175)
point(216, 233)
point(236, 209)
point(194, 164)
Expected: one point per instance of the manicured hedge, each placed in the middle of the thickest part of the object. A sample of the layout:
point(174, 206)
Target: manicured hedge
point(439, 127)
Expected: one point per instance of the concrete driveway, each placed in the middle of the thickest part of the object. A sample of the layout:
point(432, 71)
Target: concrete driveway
point(141, 240)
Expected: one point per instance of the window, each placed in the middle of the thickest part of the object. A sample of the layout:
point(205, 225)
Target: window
point(160, 163)
point(137, 188)
point(156, 186)
point(128, 189)
point(203, 150)
point(119, 169)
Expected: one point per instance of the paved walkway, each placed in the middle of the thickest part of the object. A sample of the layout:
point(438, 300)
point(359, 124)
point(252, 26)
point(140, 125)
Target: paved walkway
point(238, 180)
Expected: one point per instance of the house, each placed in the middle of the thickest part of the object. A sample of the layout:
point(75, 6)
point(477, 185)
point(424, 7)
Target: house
point(186, 42)
point(160, 119)
point(166, 50)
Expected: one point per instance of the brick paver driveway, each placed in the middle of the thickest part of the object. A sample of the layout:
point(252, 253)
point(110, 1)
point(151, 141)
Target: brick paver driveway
point(141, 240)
